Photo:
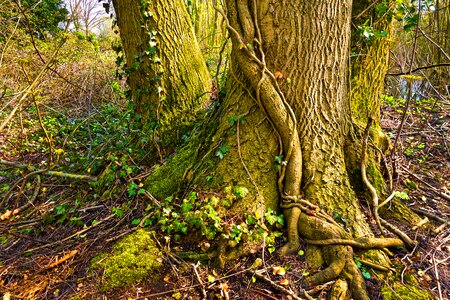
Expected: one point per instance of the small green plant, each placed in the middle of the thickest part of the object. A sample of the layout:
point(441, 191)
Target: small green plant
point(369, 33)
point(204, 215)
point(402, 195)
point(76, 220)
point(118, 212)
point(365, 273)
point(222, 151)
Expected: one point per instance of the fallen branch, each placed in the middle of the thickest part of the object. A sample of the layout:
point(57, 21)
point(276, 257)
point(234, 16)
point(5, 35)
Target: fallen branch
point(47, 172)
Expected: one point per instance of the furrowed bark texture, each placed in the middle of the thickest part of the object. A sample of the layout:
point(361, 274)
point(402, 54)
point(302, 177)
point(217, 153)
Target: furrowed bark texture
point(167, 75)
point(306, 45)
point(316, 62)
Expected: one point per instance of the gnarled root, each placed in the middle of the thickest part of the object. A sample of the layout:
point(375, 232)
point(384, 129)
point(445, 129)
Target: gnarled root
point(338, 253)
point(291, 215)
point(361, 243)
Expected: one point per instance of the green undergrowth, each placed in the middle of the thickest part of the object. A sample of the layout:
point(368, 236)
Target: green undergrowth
point(203, 217)
point(130, 260)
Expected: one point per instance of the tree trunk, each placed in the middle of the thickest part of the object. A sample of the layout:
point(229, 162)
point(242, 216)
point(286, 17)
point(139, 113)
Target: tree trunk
point(168, 78)
point(306, 49)
point(288, 82)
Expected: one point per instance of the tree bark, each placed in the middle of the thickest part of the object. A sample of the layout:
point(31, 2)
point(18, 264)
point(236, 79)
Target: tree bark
point(167, 75)
point(306, 47)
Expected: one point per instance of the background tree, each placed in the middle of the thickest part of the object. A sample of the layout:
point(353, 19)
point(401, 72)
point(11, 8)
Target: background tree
point(168, 78)
point(86, 15)
point(45, 16)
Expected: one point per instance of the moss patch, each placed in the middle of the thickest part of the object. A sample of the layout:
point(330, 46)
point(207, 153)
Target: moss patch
point(404, 292)
point(376, 178)
point(170, 177)
point(407, 290)
point(131, 260)
point(397, 210)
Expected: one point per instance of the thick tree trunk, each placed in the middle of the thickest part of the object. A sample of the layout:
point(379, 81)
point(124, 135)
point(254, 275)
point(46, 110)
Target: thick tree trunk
point(167, 75)
point(288, 81)
point(306, 48)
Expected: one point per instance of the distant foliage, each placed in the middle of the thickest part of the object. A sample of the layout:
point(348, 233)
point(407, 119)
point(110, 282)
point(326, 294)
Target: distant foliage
point(43, 18)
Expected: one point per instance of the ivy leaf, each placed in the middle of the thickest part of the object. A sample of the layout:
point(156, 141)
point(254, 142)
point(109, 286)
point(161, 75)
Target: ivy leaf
point(117, 211)
point(365, 274)
point(186, 206)
point(240, 192)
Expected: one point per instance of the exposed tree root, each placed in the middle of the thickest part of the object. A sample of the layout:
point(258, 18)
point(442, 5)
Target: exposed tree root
point(374, 194)
point(338, 254)
point(339, 258)
point(362, 243)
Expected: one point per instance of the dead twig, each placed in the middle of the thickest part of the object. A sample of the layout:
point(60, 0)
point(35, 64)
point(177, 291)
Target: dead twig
point(436, 273)
point(47, 172)
point(71, 236)
point(428, 214)
point(205, 296)
point(59, 261)
point(375, 266)
point(279, 287)
point(197, 285)
point(443, 195)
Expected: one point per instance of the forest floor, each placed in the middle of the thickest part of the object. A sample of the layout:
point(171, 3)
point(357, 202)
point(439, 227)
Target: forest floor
point(46, 246)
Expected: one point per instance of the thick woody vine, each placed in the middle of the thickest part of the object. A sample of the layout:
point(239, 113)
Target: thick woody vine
point(303, 218)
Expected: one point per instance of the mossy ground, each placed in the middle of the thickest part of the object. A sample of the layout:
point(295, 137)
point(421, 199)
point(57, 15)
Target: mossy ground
point(132, 259)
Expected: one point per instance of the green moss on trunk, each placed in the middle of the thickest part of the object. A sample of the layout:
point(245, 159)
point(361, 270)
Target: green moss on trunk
point(167, 74)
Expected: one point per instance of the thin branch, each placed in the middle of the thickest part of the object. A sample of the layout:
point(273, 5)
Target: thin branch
point(279, 287)
point(419, 68)
point(71, 236)
point(31, 86)
point(365, 10)
point(434, 43)
point(405, 238)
